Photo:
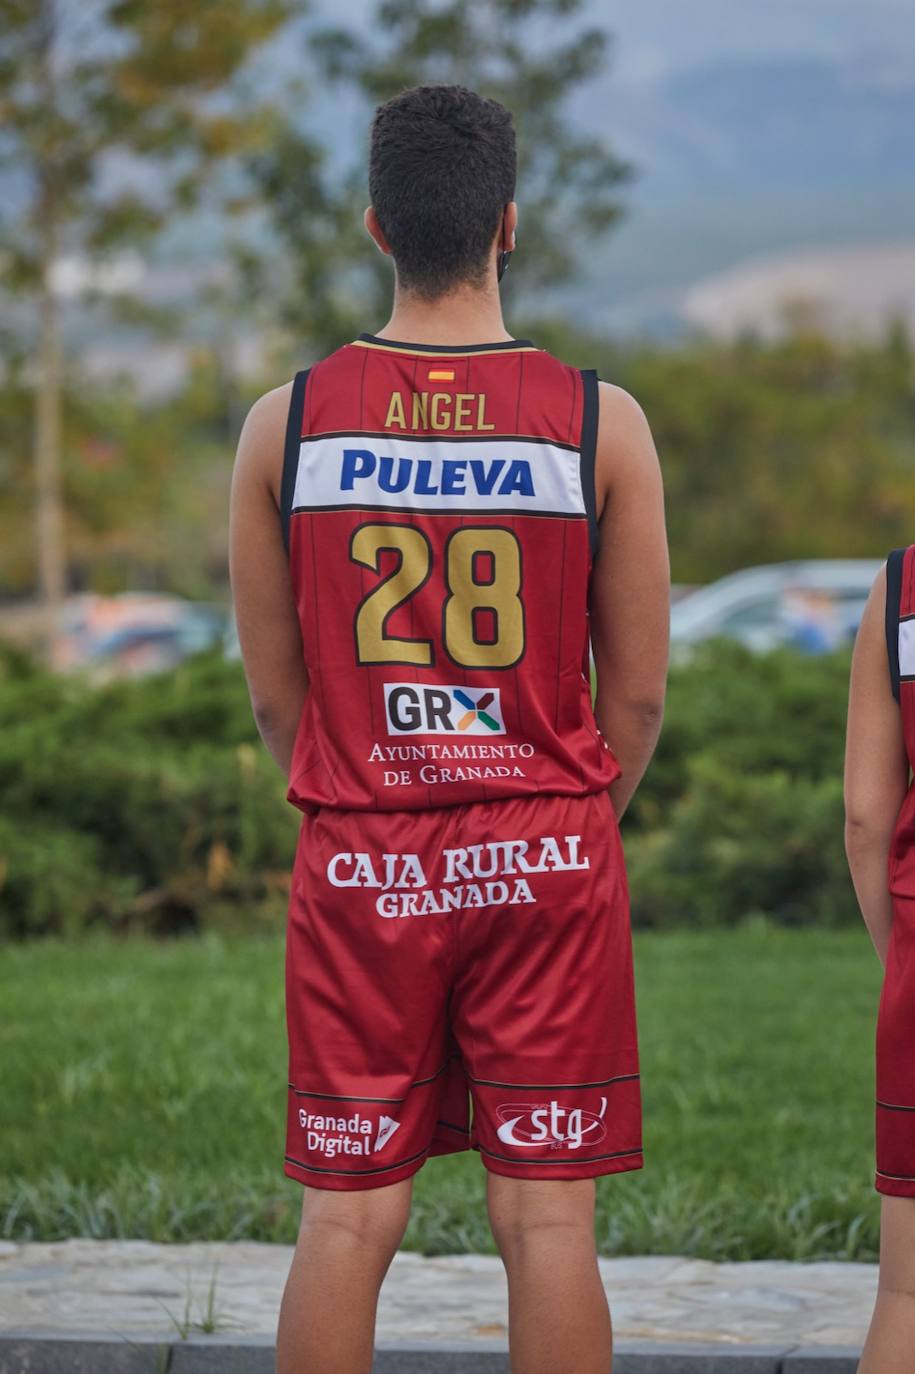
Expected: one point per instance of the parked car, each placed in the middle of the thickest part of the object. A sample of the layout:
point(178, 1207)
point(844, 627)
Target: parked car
point(132, 633)
point(815, 605)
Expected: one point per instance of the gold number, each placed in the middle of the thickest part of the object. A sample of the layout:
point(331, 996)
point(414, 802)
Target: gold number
point(469, 593)
point(373, 644)
point(472, 588)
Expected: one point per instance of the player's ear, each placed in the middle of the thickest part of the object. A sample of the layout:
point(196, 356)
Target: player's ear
point(509, 225)
point(370, 220)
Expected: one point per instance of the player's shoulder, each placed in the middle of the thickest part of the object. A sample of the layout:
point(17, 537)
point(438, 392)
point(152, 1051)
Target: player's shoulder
point(264, 427)
point(619, 409)
point(261, 443)
point(624, 439)
point(269, 409)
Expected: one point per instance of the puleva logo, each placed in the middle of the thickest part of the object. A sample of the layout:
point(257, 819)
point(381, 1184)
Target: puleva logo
point(549, 1124)
point(386, 1128)
point(413, 709)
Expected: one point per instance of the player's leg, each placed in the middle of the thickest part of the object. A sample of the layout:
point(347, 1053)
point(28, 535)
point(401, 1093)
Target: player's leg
point(370, 1067)
point(345, 1244)
point(891, 1339)
point(543, 1009)
point(557, 1310)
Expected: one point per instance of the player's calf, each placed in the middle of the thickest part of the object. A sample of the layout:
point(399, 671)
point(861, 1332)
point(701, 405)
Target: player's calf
point(345, 1244)
point(559, 1321)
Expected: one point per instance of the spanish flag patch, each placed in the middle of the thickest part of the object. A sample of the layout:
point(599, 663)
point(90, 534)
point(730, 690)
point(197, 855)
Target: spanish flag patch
point(442, 374)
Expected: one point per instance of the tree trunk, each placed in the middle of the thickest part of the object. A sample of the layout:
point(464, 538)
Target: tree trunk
point(49, 515)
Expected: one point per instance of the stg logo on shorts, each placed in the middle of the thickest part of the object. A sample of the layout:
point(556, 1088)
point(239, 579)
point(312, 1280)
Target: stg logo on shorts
point(412, 709)
point(550, 1124)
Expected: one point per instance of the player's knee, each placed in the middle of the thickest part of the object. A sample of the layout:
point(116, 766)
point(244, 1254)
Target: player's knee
point(370, 1219)
point(528, 1214)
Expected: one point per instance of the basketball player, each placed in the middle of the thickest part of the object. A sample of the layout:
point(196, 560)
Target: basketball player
point(457, 516)
point(880, 840)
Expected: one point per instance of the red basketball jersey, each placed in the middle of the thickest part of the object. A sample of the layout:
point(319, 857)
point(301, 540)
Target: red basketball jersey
point(439, 514)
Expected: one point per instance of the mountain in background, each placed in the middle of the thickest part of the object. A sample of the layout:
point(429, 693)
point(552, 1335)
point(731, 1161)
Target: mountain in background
point(761, 133)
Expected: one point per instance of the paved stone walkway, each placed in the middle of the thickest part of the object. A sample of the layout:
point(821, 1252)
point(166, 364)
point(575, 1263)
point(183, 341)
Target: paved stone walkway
point(135, 1288)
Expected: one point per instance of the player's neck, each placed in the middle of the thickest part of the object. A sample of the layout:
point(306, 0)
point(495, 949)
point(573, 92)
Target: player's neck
point(465, 316)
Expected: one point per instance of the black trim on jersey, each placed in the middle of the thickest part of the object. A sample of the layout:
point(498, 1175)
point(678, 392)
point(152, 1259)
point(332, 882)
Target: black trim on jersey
point(894, 1107)
point(893, 602)
point(590, 405)
point(291, 450)
point(452, 510)
point(434, 434)
point(446, 349)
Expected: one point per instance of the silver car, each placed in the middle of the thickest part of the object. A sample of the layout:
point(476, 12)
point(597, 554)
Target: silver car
point(815, 605)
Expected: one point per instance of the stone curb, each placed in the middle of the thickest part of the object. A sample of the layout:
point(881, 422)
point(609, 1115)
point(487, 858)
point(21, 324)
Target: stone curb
point(38, 1353)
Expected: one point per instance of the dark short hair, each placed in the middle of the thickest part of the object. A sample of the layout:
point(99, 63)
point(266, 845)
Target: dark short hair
point(442, 168)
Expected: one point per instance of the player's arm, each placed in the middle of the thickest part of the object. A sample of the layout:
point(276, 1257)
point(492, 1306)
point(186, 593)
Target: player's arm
point(876, 769)
point(630, 590)
point(268, 628)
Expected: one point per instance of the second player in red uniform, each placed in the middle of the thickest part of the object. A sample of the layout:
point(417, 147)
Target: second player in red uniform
point(880, 839)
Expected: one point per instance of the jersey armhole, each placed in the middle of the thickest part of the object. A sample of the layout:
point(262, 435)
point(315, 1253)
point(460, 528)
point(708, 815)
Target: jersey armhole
point(894, 565)
point(588, 454)
point(291, 450)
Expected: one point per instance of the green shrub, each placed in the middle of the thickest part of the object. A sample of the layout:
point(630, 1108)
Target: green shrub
point(147, 804)
point(754, 713)
point(741, 810)
point(737, 845)
point(152, 804)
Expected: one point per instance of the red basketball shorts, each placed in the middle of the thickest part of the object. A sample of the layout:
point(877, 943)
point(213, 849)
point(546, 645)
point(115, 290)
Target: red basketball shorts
point(896, 1058)
point(460, 978)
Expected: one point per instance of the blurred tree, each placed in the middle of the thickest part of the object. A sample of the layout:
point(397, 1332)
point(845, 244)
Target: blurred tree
point(111, 118)
point(527, 53)
point(800, 447)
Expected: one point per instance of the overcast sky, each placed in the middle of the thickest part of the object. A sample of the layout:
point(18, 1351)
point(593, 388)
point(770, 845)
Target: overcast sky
point(658, 35)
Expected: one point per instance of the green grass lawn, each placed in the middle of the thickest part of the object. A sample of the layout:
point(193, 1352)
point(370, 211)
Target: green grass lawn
point(142, 1093)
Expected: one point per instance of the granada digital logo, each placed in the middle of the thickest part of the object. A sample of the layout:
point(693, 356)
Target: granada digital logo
point(414, 709)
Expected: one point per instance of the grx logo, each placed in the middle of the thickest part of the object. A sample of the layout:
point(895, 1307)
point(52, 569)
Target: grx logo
point(476, 710)
point(413, 709)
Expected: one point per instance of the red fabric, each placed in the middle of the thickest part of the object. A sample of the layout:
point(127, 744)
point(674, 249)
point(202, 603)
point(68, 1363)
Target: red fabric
point(521, 994)
point(344, 755)
point(895, 1125)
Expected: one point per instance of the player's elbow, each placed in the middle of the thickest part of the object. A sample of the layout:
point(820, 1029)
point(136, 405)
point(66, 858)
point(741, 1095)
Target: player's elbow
point(865, 832)
point(643, 712)
point(271, 716)
point(648, 711)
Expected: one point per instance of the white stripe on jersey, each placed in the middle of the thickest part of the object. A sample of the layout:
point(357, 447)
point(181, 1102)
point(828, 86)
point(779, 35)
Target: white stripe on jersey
point(907, 648)
point(438, 475)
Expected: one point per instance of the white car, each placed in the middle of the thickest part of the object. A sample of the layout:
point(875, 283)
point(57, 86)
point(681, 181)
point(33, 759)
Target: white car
point(815, 605)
